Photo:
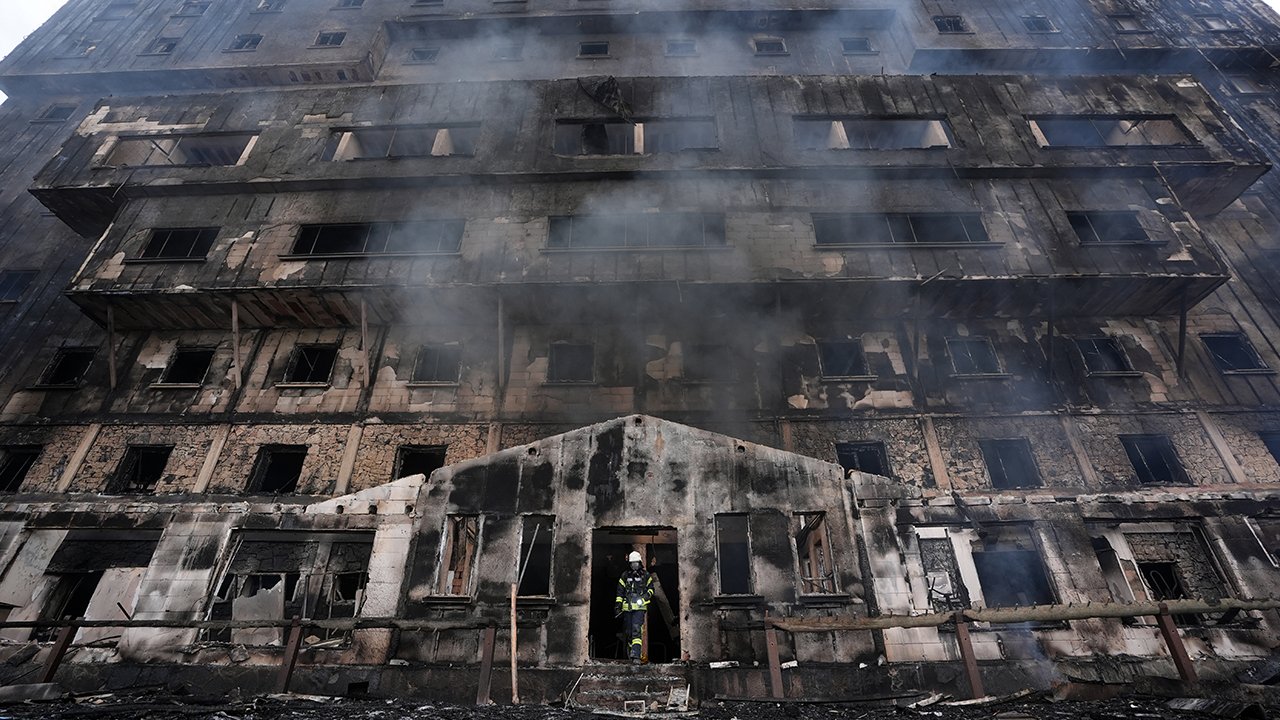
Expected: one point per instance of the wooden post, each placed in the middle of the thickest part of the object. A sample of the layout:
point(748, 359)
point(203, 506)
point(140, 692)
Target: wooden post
point(111, 345)
point(1053, 321)
point(1178, 651)
point(235, 341)
point(1182, 334)
point(291, 647)
point(58, 652)
point(486, 665)
point(364, 338)
point(775, 666)
point(970, 660)
point(515, 687)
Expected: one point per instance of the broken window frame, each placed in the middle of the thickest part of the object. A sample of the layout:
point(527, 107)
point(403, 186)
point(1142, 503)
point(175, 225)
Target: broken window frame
point(1146, 451)
point(1010, 463)
point(177, 245)
point(329, 39)
point(830, 369)
point(1039, 25)
point(162, 46)
point(810, 535)
point(180, 150)
point(1128, 23)
point(133, 474)
point(311, 365)
point(403, 142)
point(177, 364)
point(559, 365)
point(456, 575)
point(437, 364)
point(267, 454)
point(849, 456)
point(951, 25)
point(377, 239)
point(245, 42)
point(639, 136)
point(1218, 23)
point(868, 132)
point(898, 230)
point(740, 587)
point(988, 365)
point(1109, 228)
point(635, 232)
point(1106, 131)
point(14, 283)
point(69, 599)
point(1243, 358)
point(435, 451)
point(1103, 356)
point(993, 594)
point(16, 462)
point(535, 564)
point(53, 375)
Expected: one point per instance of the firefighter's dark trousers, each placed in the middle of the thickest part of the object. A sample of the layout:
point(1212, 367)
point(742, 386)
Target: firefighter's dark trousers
point(633, 623)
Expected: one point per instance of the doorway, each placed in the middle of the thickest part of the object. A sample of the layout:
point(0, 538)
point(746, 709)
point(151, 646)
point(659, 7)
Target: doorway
point(609, 550)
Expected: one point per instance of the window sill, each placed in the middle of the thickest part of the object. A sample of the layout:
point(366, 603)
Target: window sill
point(1147, 243)
point(168, 54)
point(174, 386)
point(981, 376)
point(361, 256)
point(907, 246)
point(301, 385)
point(737, 600)
point(163, 260)
point(708, 381)
point(447, 600)
point(825, 599)
point(591, 57)
point(50, 121)
point(324, 47)
point(860, 52)
point(665, 248)
point(541, 601)
point(239, 50)
point(1114, 374)
point(571, 383)
point(772, 54)
point(1252, 371)
point(405, 157)
point(849, 378)
point(1134, 32)
point(1044, 32)
point(680, 55)
point(433, 384)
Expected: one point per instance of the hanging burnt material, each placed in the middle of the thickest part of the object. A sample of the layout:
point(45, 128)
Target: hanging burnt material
point(604, 90)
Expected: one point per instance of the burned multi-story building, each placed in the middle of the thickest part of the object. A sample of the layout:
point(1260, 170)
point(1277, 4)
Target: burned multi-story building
point(847, 310)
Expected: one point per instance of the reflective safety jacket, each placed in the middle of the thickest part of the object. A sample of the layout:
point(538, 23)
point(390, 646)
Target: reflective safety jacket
point(635, 590)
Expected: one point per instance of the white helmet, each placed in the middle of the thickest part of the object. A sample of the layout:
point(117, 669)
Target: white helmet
point(634, 557)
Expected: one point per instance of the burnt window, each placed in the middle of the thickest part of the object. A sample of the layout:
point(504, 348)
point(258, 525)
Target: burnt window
point(13, 283)
point(770, 46)
point(194, 7)
point(141, 468)
point(458, 554)
point(15, 463)
point(1154, 460)
point(330, 39)
point(409, 141)
point(425, 237)
point(596, 48)
point(188, 366)
point(312, 364)
point(842, 358)
point(118, 10)
point(646, 230)
point(1098, 131)
point(1272, 441)
point(67, 368)
point(68, 600)
point(973, 356)
point(1163, 581)
point(1010, 463)
point(179, 244)
point(1108, 227)
point(245, 42)
point(162, 46)
point(1217, 23)
point(1012, 578)
point(682, 48)
point(862, 133)
point(424, 54)
point(710, 362)
point(867, 457)
point(733, 554)
point(78, 47)
point(1247, 84)
point(535, 555)
point(508, 51)
point(278, 469)
point(437, 364)
point(813, 549)
point(856, 45)
point(950, 24)
point(418, 460)
point(1232, 352)
point(1128, 23)
point(1038, 24)
point(1103, 355)
point(585, 137)
point(180, 150)
point(898, 229)
point(56, 113)
point(570, 362)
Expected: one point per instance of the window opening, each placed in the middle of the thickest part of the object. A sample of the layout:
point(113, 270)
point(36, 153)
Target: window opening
point(1038, 24)
point(973, 356)
point(575, 137)
point(405, 142)
point(68, 367)
point(593, 49)
point(437, 364)
point(278, 469)
point(246, 42)
point(644, 230)
point(813, 548)
point(462, 536)
point(140, 469)
point(162, 46)
point(194, 7)
point(1085, 131)
point(1108, 227)
point(188, 366)
point(1103, 355)
point(710, 363)
point(871, 133)
point(682, 48)
point(424, 54)
point(1012, 578)
point(311, 364)
point(418, 460)
point(13, 283)
point(1154, 460)
point(184, 150)
point(1216, 23)
point(867, 457)
point(1247, 84)
point(1127, 23)
point(770, 46)
point(535, 556)
point(570, 362)
point(350, 3)
point(842, 358)
point(945, 591)
point(898, 229)
point(15, 463)
point(68, 600)
point(950, 24)
point(733, 548)
point(57, 113)
point(1232, 352)
point(1272, 441)
point(330, 39)
point(424, 237)
point(856, 45)
point(179, 244)
point(1010, 463)
point(508, 51)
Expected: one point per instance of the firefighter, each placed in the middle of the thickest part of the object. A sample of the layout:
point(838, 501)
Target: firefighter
point(635, 590)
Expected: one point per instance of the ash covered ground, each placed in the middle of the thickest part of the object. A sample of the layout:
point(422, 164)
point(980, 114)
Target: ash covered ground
point(188, 708)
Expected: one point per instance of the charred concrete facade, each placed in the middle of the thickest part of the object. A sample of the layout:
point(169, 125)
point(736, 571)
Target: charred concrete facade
point(970, 307)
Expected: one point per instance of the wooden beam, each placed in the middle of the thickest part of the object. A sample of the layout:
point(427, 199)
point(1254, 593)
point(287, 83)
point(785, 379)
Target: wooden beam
point(515, 683)
point(976, 690)
point(235, 343)
point(58, 652)
point(486, 665)
point(364, 339)
point(775, 666)
point(111, 345)
point(1182, 334)
point(1178, 651)
point(290, 659)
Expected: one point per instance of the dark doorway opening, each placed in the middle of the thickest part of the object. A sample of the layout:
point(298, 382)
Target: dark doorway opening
point(609, 550)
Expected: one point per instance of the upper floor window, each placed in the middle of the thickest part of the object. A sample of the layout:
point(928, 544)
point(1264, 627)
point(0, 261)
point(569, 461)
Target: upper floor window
point(1038, 24)
point(594, 48)
point(13, 284)
point(458, 554)
point(856, 46)
point(179, 244)
point(1270, 439)
point(424, 55)
point(571, 363)
point(420, 237)
point(586, 137)
point(870, 133)
point(162, 46)
point(508, 51)
point(67, 367)
point(1247, 84)
point(1217, 23)
point(245, 43)
point(437, 364)
point(418, 460)
point(118, 10)
point(770, 46)
point(1010, 463)
point(1232, 353)
point(973, 356)
point(1108, 227)
point(194, 7)
point(813, 550)
point(56, 113)
point(188, 366)
point(535, 555)
point(842, 358)
point(311, 364)
point(898, 229)
point(180, 150)
point(733, 554)
point(867, 457)
point(78, 47)
point(1128, 23)
point(710, 362)
point(15, 463)
point(1154, 460)
point(350, 4)
point(1086, 131)
point(330, 38)
point(277, 469)
point(634, 231)
point(405, 142)
point(1103, 356)
point(141, 469)
point(682, 48)
point(950, 24)
point(269, 6)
